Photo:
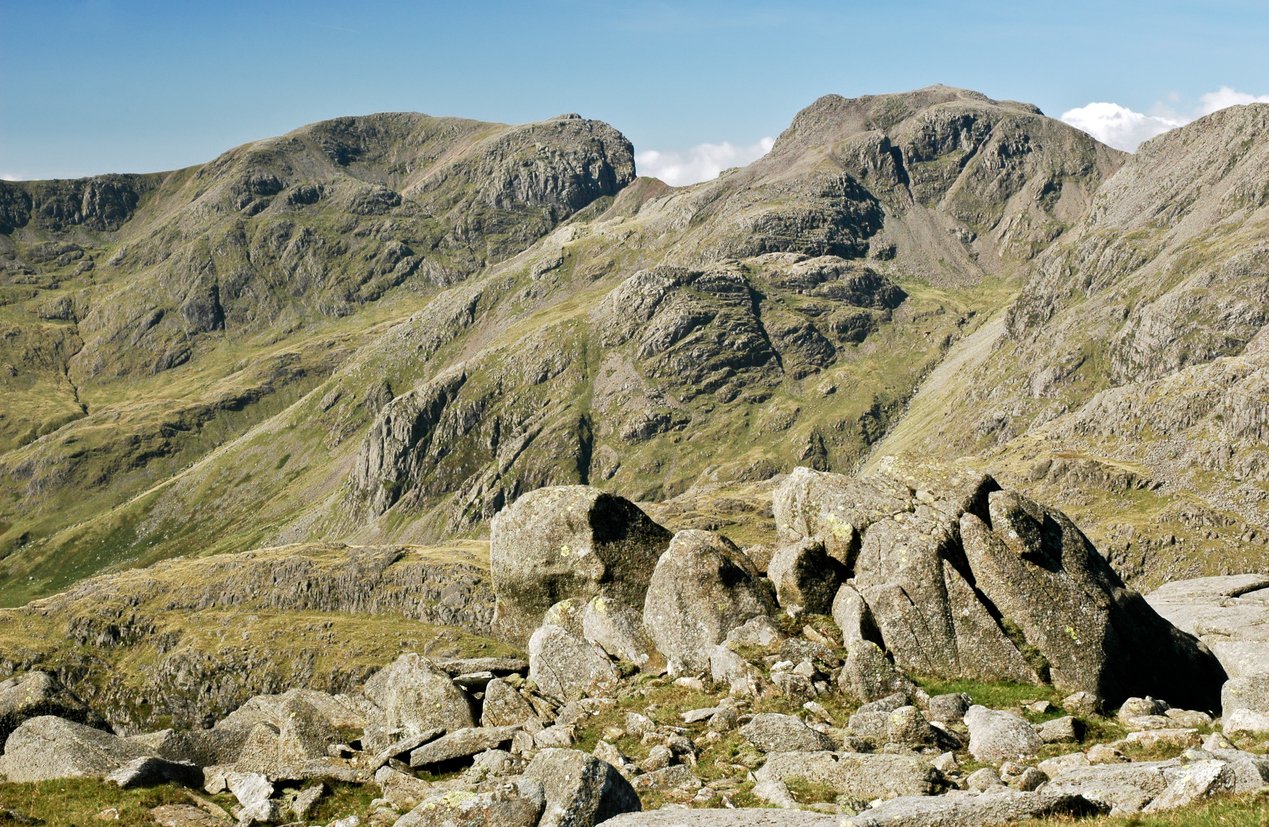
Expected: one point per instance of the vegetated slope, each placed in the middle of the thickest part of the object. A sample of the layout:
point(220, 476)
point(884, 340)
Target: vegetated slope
point(148, 319)
point(1129, 381)
point(720, 333)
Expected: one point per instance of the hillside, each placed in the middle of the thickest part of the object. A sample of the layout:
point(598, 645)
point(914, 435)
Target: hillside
point(666, 339)
point(1130, 379)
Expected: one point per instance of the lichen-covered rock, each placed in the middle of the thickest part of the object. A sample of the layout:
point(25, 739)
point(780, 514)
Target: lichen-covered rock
point(868, 675)
point(414, 695)
point(46, 747)
point(580, 790)
point(1245, 705)
point(503, 705)
point(569, 542)
point(702, 588)
point(773, 732)
point(859, 776)
point(618, 630)
point(806, 579)
point(565, 666)
point(511, 805)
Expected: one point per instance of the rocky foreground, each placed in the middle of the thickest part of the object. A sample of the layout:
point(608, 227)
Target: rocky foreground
point(910, 650)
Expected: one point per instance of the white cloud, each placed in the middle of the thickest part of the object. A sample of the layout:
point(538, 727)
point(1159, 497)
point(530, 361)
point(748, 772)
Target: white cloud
point(1125, 129)
point(700, 163)
point(8, 176)
point(1225, 97)
point(1117, 125)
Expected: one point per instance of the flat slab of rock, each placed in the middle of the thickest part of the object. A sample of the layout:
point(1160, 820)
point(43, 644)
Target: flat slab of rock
point(722, 818)
point(860, 776)
point(1230, 614)
point(995, 735)
point(462, 743)
point(1125, 788)
point(961, 809)
point(773, 732)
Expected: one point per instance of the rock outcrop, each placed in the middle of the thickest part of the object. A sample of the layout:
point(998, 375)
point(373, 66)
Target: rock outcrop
point(965, 579)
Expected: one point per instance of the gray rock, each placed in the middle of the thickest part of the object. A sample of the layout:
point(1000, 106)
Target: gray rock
point(731, 670)
point(1194, 782)
point(1245, 705)
point(461, 743)
point(773, 732)
point(618, 630)
point(868, 674)
point(181, 815)
point(701, 589)
point(416, 696)
point(152, 771)
point(1228, 613)
point(202, 747)
point(996, 736)
point(1125, 788)
point(741, 817)
point(806, 579)
point(1251, 771)
point(1060, 730)
point(511, 805)
point(906, 726)
point(950, 708)
point(580, 790)
point(33, 694)
point(852, 616)
point(46, 747)
point(403, 790)
point(858, 776)
point(568, 541)
point(983, 779)
point(959, 809)
point(565, 666)
point(249, 787)
point(504, 705)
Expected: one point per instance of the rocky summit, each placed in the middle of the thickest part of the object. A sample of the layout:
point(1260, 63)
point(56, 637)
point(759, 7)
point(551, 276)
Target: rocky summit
point(405, 470)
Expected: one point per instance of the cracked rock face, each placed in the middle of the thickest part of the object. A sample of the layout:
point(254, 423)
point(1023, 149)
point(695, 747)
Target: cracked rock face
point(964, 579)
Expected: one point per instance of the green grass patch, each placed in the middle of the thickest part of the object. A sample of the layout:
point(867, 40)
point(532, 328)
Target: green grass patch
point(76, 802)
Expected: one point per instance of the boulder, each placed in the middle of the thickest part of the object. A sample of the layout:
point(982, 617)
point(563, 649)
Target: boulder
point(512, 805)
point(740, 817)
point(566, 667)
point(1229, 613)
point(963, 809)
point(1124, 788)
point(806, 579)
point(965, 580)
point(1194, 782)
point(504, 705)
point(858, 776)
point(996, 736)
point(568, 541)
point(1245, 705)
point(868, 674)
point(773, 732)
point(414, 696)
point(1060, 730)
point(200, 747)
point(852, 616)
point(46, 747)
point(151, 771)
point(618, 630)
point(580, 790)
point(33, 694)
point(702, 588)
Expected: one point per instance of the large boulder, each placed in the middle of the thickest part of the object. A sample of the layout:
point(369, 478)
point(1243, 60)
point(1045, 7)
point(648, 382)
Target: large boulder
point(414, 695)
point(806, 579)
point(568, 541)
point(1229, 613)
point(702, 588)
point(964, 580)
point(38, 693)
point(47, 747)
point(513, 805)
point(581, 790)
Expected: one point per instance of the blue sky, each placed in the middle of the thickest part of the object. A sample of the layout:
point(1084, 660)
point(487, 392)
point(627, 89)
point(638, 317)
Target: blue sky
point(90, 86)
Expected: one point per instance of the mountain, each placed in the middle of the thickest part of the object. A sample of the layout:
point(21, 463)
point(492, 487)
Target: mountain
point(1130, 378)
point(382, 330)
